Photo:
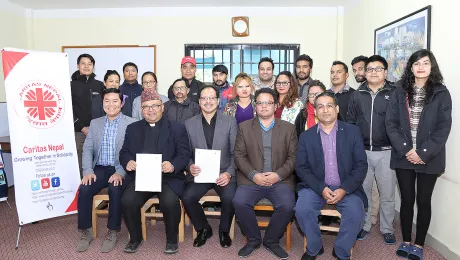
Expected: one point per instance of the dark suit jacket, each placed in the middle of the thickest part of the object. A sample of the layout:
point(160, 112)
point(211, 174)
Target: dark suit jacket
point(249, 150)
point(174, 145)
point(351, 160)
point(224, 139)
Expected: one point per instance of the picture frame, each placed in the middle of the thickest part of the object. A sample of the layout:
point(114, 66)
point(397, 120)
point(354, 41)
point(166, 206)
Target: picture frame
point(397, 40)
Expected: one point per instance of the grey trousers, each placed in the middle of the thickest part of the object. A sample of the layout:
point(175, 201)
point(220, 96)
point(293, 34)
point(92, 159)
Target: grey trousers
point(79, 141)
point(379, 168)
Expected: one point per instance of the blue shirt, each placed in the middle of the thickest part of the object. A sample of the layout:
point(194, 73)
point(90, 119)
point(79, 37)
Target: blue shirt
point(107, 153)
point(267, 128)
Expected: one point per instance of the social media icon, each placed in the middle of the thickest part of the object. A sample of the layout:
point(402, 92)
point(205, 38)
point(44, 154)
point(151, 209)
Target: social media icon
point(45, 183)
point(35, 185)
point(55, 182)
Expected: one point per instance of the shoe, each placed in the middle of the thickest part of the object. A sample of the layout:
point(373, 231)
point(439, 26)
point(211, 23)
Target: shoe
point(336, 257)
point(306, 256)
point(362, 235)
point(202, 236)
point(403, 250)
point(415, 253)
point(277, 251)
point(389, 239)
point(224, 239)
point(85, 238)
point(171, 248)
point(109, 241)
point(132, 247)
point(247, 250)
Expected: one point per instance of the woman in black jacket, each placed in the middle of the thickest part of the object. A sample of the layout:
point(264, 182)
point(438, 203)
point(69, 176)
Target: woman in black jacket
point(418, 122)
point(306, 119)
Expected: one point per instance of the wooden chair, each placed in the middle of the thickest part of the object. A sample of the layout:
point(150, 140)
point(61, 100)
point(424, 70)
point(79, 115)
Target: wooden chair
point(266, 205)
point(100, 207)
point(212, 196)
point(152, 204)
point(328, 210)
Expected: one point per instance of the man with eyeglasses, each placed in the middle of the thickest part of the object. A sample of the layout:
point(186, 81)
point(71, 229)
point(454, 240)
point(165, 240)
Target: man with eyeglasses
point(340, 88)
point(265, 152)
point(216, 131)
point(219, 78)
point(367, 109)
point(188, 70)
point(331, 165)
point(180, 108)
point(154, 135)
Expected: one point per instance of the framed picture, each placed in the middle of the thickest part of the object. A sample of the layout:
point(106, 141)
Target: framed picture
point(397, 40)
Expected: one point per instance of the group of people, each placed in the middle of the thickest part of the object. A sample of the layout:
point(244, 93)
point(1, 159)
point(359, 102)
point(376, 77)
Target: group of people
point(279, 136)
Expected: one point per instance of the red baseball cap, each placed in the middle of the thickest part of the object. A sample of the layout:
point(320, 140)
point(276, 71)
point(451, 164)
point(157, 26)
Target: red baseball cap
point(188, 59)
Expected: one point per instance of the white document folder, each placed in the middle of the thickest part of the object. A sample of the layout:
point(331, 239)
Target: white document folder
point(148, 172)
point(209, 162)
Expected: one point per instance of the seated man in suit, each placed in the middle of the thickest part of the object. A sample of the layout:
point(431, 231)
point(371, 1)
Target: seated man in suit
point(265, 152)
point(154, 135)
point(211, 130)
point(101, 168)
point(331, 165)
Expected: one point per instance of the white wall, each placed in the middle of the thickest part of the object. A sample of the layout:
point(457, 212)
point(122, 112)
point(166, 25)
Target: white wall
point(359, 24)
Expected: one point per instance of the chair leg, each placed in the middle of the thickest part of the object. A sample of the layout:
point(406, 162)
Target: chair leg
point(94, 219)
point(304, 244)
point(187, 220)
point(232, 229)
point(194, 232)
point(153, 220)
point(181, 224)
point(144, 226)
point(288, 237)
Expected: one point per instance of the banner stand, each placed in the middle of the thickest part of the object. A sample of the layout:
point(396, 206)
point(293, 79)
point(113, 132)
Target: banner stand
point(19, 235)
point(3, 181)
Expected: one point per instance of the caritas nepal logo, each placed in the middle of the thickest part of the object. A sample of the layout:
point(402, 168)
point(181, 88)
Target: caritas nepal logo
point(40, 103)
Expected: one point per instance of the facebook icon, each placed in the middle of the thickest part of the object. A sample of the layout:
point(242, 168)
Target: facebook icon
point(55, 182)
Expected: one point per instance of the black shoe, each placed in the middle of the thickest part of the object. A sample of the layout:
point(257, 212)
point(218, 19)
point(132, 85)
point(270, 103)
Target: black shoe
point(310, 257)
point(132, 247)
point(202, 236)
point(247, 250)
point(171, 248)
point(277, 251)
point(224, 239)
point(335, 256)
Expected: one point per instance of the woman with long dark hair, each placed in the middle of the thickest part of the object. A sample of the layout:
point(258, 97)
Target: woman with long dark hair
point(289, 104)
point(418, 123)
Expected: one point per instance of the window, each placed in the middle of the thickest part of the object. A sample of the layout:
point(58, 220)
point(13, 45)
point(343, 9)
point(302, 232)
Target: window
point(240, 58)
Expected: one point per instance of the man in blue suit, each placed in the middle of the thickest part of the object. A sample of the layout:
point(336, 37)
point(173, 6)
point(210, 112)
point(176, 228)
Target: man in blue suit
point(155, 135)
point(331, 165)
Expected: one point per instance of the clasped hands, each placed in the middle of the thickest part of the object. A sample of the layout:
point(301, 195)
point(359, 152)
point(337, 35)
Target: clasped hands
point(166, 166)
point(223, 180)
point(266, 178)
point(413, 157)
point(333, 197)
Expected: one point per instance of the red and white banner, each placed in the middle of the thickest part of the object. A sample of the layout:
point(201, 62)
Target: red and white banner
point(42, 138)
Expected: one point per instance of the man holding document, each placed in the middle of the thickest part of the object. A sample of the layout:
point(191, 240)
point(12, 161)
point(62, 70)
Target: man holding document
point(212, 137)
point(148, 175)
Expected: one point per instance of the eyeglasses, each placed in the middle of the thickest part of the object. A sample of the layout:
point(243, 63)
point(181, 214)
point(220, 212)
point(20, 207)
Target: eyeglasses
point(180, 88)
point(147, 83)
point(312, 95)
point(284, 84)
point(207, 98)
point(376, 69)
point(261, 103)
point(152, 107)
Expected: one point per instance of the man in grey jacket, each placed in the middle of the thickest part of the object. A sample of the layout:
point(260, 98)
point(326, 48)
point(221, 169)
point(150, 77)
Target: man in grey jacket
point(215, 131)
point(101, 169)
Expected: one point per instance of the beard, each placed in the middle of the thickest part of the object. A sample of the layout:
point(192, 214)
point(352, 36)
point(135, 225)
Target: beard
point(220, 83)
point(360, 78)
point(303, 76)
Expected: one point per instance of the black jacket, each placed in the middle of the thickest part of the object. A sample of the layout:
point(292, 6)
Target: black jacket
point(195, 86)
point(83, 90)
point(179, 112)
point(432, 133)
point(343, 99)
point(367, 110)
point(97, 109)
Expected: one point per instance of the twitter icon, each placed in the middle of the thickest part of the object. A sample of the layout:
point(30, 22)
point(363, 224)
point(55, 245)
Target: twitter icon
point(35, 185)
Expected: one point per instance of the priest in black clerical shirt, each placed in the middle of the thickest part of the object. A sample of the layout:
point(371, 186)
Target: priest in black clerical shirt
point(154, 135)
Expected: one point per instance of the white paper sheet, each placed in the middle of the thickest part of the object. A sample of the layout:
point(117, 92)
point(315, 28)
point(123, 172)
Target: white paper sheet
point(209, 162)
point(148, 172)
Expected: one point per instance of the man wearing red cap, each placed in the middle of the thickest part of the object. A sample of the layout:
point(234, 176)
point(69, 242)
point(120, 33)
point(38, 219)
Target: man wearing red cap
point(188, 70)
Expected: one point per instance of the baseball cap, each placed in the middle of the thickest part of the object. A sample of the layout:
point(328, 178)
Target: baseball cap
point(188, 59)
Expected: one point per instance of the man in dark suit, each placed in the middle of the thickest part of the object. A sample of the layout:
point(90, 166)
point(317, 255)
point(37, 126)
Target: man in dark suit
point(155, 135)
point(265, 151)
point(211, 130)
point(331, 165)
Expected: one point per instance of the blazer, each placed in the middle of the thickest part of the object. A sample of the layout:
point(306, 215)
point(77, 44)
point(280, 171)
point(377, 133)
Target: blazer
point(93, 143)
point(224, 140)
point(351, 160)
point(174, 146)
point(249, 151)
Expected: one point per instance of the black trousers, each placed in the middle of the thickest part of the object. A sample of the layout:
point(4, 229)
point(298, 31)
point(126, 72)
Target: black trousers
point(132, 201)
point(192, 195)
point(87, 192)
point(425, 186)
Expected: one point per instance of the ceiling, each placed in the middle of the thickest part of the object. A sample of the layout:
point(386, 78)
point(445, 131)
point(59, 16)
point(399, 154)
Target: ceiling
point(87, 4)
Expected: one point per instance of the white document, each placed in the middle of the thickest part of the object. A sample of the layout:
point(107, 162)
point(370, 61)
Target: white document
point(148, 172)
point(209, 162)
